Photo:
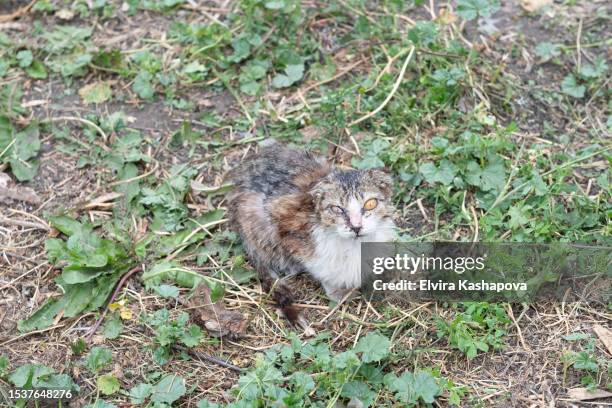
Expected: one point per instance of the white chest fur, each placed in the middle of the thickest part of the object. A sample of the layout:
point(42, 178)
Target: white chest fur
point(337, 260)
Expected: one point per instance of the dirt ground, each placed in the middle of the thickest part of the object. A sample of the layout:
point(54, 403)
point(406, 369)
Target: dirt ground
point(513, 83)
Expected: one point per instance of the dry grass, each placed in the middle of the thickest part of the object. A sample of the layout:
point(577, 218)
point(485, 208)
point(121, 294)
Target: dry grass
point(527, 372)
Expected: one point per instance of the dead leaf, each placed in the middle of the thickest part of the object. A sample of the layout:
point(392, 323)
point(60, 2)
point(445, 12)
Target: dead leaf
point(124, 312)
point(583, 394)
point(605, 335)
point(97, 92)
point(214, 316)
point(16, 192)
point(98, 339)
point(64, 14)
point(533, 5)
point(446, 17)
point(207, 103)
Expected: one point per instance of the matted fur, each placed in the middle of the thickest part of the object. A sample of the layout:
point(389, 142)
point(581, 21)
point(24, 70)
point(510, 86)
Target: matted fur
point(296, 213)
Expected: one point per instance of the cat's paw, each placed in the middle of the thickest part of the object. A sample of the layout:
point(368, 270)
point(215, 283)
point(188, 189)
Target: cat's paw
point(339, 294)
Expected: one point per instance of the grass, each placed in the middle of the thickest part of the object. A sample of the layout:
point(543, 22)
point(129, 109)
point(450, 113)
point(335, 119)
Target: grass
point(118, 121)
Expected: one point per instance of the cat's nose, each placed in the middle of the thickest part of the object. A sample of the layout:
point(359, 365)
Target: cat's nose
point(356, 229)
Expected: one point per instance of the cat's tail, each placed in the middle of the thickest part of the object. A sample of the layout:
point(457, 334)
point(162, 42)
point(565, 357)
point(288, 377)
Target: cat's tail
point(281, 294)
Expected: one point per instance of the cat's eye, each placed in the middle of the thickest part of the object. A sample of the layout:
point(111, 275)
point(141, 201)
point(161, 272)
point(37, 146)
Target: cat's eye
point(371, 204)
point(336, 209)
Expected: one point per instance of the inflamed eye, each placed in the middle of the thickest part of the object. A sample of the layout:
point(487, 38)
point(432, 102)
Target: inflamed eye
point(336, 209)
point(370, 204)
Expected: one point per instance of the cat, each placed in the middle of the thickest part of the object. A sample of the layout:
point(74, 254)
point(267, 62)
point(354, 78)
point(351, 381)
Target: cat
point(297, 213)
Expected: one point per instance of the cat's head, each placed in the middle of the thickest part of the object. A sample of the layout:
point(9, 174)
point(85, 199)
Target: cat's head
point(355, 203)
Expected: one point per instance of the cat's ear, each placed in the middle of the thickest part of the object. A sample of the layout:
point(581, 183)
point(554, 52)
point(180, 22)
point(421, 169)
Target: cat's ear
point(319, 190)
point(380, 179)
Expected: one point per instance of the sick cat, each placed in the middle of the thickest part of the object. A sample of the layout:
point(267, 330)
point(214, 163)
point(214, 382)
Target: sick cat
point(296, 213)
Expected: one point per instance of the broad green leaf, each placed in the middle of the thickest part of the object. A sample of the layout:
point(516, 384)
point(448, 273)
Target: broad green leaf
point(491, 178)
point(43, 317)
point(423, 33)
point(402, 386)
point(37, 70)
point(346, 359)
point(372, 373)
point(29, 374)
point(519, 216)
point(81, 275)
point(36, 376)
point(56, 382)
point(77, 297)
point(191, 336)
point(167, 291)
point(108, 384)
point(55, 249)
point(194, 67)
point(295, 72)
point(444, 174)
point(586, 362)
point(302, 383)
point(595, 70)
point(100, 291)
point(372, 154)
point(140, 393)
point(25, 58)
point(411, 388)
point(360, 391)
point(292, 74)
point(471, 9)
point(374, 347)
point(547, 50)
point(66, 225)
point(142, 85)
point(481, 345)
point(570, 87)
point(250, 88)
point(281, 81)
point(26, 146)
point(425, 387)
point(73, 64)
point(242, 49)
point(66, 37)
point(170, 388)
point(113, 326)
point(170, 271)
point(98, 358)
point(255, 69)
point(24, 171)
